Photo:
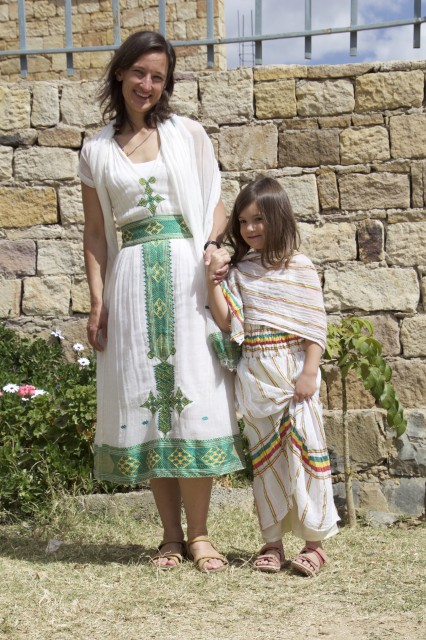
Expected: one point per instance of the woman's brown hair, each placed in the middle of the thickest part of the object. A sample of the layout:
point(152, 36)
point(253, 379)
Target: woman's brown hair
point(110, 94)
point(281, 235)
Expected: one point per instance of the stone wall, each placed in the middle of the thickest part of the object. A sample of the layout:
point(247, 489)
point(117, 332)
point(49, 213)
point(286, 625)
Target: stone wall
point(92, 25)
point(349, 145)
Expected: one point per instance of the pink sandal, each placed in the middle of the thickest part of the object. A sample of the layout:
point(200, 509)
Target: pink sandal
point(309, 561)
point(274, 564)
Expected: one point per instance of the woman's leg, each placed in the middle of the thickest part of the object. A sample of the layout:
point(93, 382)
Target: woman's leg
point(196, 494)
point(167, 497)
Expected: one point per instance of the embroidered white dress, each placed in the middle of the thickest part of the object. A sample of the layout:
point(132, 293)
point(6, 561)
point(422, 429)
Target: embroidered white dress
point(165, 405)
point(273, 312)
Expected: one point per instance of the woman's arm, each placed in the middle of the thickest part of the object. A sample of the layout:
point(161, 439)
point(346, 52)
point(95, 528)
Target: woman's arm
point(95, 258)
point(218, 229)
point(218, 305)
point(306, 384)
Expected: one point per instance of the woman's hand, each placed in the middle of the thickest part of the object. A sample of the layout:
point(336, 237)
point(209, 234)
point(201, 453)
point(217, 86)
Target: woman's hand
point(306, 386)
point(97, 327)
point(217, 262)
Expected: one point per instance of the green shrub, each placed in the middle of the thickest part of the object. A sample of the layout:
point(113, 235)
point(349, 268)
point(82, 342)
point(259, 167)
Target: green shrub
point(47, 422)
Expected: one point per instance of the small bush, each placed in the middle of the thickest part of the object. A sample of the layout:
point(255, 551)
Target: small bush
point(47, 422)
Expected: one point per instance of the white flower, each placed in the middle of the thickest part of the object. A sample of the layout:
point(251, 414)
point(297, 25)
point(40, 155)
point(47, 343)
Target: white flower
point(78, 347)
point(83, 362)
point(11, 388)
point(57, 333)
point(24, 399)
point(40, 392)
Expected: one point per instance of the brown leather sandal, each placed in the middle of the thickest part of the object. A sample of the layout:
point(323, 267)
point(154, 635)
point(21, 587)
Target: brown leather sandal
point(275, 564)
point(309, 561)
point(178, 557)
point(201, 560)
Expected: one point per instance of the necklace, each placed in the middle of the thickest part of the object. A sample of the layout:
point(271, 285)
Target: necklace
point(137, 146)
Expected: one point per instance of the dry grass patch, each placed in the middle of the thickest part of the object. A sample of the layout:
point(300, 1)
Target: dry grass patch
point(100, 584)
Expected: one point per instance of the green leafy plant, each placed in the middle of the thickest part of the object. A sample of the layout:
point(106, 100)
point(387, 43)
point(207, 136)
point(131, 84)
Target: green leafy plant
point(47, 422)
point(351, 346)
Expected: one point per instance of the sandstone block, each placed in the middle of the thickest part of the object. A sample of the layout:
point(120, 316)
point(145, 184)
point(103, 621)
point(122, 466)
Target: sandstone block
point(27, 207)
point(423, 290)
point(377, 91)
point(185, 99)
point(334, 122)
point(330, 242)
point(324, 98)
point(406, 243)
point(79, 106)
point(417, 184)
point(6, 158)
point(279, 72)
point(297, 124)
point(357, 396)
point(230, 190)
point(364, 145)
point(309, 148)
point(62, 136)
point(371, 289)
point(374, 191)
point(366, 434)
point(56, 258)
point(303, 195)
point(71, 206)
point(227, 97)
point(48, 296)
point(327, 190)
point(406, 496)
point(408, 136)
point(413, 336)
point(17, 258)
point(10, 298)
point(275, 99)
point(80, 297)
point(46, 163)
point(386, 331)
point(248, 147)
point(409, 380)
point(45, 108)
point(371, 241)
point(372, 498)
point(15, 108)
point(24, 137)
point(367, 119)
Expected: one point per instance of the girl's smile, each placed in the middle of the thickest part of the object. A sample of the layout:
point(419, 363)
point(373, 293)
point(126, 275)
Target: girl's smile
point(252, 227)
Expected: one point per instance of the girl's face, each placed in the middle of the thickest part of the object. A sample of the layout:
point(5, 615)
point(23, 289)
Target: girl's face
point(143, 83)
point(252, 227)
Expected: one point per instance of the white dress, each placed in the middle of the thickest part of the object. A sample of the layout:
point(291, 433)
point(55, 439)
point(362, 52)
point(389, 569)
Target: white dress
point(165, 405)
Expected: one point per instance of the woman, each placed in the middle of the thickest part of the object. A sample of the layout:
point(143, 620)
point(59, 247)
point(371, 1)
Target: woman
point(165, 406)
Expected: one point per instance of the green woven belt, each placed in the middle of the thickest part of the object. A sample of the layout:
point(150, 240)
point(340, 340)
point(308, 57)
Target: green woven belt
point(155, 228)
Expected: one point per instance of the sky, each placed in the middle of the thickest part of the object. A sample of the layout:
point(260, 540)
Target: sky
point(280, 16)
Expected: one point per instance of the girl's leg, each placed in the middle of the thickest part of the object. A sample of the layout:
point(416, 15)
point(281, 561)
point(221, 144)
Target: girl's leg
point(167, 497)
point(196, 494)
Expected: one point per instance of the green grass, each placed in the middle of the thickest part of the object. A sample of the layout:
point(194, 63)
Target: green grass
point(100, 584)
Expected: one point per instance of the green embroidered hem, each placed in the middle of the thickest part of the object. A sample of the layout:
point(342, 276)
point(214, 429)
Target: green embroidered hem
point(155, 228)
point(169, 458)
point(227, 351)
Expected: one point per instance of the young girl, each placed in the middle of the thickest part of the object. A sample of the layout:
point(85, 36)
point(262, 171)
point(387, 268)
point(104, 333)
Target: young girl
point(272, 304)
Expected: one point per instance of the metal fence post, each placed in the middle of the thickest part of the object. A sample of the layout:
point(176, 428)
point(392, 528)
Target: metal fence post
point(258, 32)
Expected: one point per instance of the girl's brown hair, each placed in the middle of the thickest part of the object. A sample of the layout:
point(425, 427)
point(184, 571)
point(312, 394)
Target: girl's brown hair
point(281, 235)
point(110, 94)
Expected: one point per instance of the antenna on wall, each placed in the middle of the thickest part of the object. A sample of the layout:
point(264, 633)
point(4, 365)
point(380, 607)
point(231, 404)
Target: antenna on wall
point(245, 49)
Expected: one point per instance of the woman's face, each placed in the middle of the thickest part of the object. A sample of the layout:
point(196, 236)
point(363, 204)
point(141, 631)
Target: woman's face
point(143, 83)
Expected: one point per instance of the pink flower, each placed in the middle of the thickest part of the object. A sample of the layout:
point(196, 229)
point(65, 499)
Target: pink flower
point(26, 390)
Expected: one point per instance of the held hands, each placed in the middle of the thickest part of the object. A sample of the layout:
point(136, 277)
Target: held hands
point(97, 327)
point(305, 387)
point(217, 263)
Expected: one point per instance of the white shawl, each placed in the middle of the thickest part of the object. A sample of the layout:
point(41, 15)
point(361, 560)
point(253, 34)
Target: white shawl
point(191, 165)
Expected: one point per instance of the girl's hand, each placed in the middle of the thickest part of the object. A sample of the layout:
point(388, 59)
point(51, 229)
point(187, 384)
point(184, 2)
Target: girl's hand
point(305, 387)
point(217, 261)
point(97, 327)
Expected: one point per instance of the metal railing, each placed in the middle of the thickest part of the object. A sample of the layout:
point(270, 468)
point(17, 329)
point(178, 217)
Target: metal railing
point(210, 42)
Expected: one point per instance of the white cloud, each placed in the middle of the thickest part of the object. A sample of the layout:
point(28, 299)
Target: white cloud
point(287, 15)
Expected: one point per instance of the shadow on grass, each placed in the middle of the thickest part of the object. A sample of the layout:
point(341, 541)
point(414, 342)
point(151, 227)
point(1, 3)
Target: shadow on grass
point(34, 550)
